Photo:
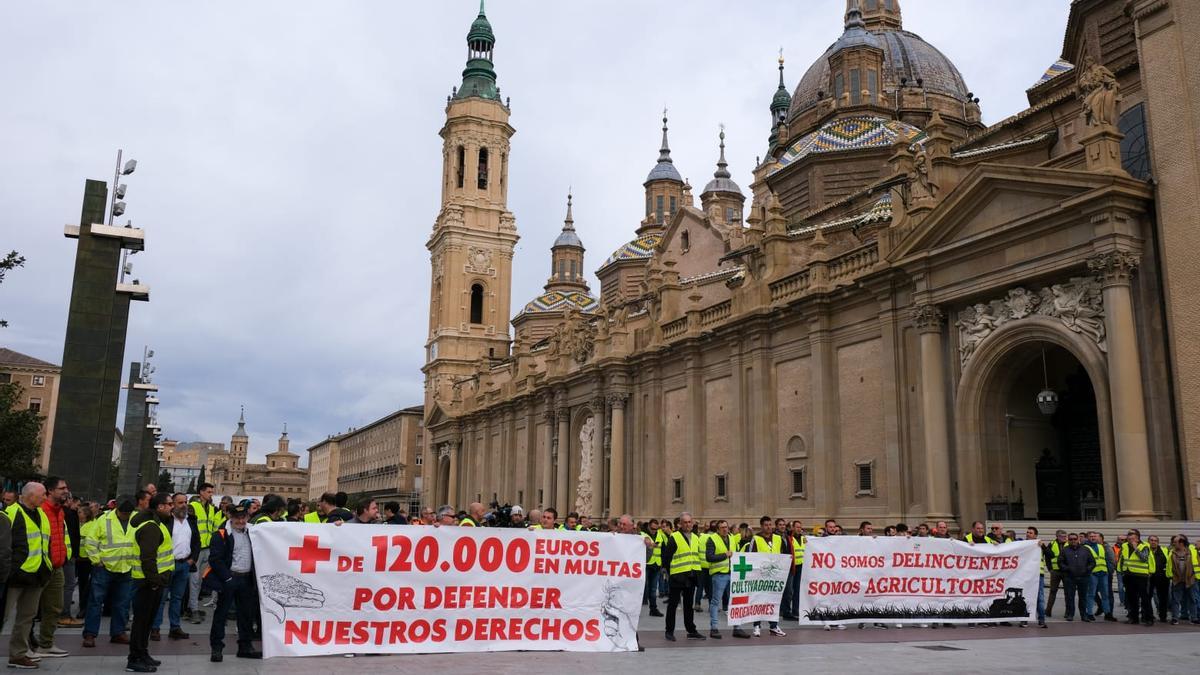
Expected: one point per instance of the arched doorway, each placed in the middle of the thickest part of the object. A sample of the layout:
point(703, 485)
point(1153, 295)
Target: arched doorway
point(443, 480)
point(1017, 461)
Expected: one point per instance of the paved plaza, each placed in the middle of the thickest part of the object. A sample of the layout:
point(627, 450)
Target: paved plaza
point(1063, 648)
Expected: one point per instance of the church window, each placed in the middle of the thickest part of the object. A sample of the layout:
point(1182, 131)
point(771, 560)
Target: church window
point(839, 86)
point(797, 448)
point(483, 169)
point(658, 208)
point(872, 4)
point(476, 303)
point(685, 241)
point(855, 87)
point(420, 459)
point(672, 213)
point(573, 275)
point(729, 214)
point(676, 489)
point(561, 269)
point(873, 84)
point(648, 205)
point(503, 168)
point(889, 4)
point(798, 476)
point(865, 473)
point(722, 487)
point(458, 167)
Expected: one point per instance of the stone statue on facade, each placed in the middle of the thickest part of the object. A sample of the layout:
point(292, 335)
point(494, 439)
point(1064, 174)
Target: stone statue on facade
point(975, 324)
point(1079, 306)
point(583, 490)
point(1100, 94)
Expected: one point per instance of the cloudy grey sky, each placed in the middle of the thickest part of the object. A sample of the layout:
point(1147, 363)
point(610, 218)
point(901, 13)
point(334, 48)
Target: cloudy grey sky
point(289, 163)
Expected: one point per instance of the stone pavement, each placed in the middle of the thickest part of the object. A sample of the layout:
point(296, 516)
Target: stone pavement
point(1063, 648)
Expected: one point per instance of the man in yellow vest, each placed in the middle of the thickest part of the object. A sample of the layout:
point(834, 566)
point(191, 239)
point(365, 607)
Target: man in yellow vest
point(702, 583)
point(113, 560)
point(1136, 564)
point(1103, 583)
point(30, 569)
point(1031, 534)
point(682, 560)
point(798, 543)
point(151, 575)
point(719, 548)
point(474, 515)
point(1053, 550)
point(767, 541)
point(1160, 584)
point(653, 566)
point(205, 515)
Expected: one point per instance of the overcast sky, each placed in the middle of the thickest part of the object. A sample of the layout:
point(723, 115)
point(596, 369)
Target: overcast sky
point(289, 164)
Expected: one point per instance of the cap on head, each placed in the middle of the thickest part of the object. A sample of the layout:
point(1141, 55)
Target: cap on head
point(239, 511)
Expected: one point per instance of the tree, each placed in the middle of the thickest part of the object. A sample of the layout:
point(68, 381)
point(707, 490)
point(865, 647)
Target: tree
point(164, 482)
point(114, 470)
point(19, 429)
point(202, 479)
point(191, 488)
point(11, 261)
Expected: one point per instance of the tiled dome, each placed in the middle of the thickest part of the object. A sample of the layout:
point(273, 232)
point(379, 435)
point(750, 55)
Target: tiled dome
point(640, 248)
point(556, 301)
point(851, 133)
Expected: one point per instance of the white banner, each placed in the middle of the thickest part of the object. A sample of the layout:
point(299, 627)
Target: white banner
point(376, 589)
point(917, 580)
point(756, 582)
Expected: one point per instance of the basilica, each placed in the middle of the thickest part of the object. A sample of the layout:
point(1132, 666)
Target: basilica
point(906, 315)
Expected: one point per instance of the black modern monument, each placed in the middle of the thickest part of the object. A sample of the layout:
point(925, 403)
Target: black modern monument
point(139, 451)
point(94, 349)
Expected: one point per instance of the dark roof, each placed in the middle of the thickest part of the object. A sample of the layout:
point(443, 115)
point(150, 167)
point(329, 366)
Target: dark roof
point(10, 358)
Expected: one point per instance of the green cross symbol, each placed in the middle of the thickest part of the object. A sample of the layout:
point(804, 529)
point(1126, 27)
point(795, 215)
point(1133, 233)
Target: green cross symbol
point(742, 567)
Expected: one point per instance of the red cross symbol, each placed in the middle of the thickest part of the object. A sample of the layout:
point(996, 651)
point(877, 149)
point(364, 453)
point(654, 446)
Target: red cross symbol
point(309, 554)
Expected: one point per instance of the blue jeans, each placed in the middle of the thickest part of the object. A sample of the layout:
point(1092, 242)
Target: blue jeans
point(1185, 602)
point(1084, 587)
point(1121, 589)
point(720, 586)
point(175, 593)
point(1041, 606)
point(122, 595)
point(1102, 586)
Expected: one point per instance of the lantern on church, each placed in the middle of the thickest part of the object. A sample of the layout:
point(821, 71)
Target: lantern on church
point(1047, 400)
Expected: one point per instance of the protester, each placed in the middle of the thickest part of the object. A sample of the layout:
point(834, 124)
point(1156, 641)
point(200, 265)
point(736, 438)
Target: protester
point(1183, 572)
point(718, 550)
point(1031, 534)
point(1136, 565)
point(232, 577)
point(681, 558)
point(1077, 562)
point(653, 566)
point(1056, 575)
point(366, 513)
point(446, 516)
point(151, 576)
point(88, 519)
point(112, 564)
point(1100, 575)
point(474, 515)
point(1160, 585)
point(272, 510)
point(70, 569)
point(30, 571)
point(766, 541)
point(516, 516)
point(392, 514)
point(185, 541)
point(59, 549)
point(204, 514)
point(326, 504)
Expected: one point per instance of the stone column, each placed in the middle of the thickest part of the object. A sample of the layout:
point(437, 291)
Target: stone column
point(1114, 270)
point(616, 469)
point(598, 486)
point(452, 483)
point(929, 320)
point(547, 460)
point(564, 450)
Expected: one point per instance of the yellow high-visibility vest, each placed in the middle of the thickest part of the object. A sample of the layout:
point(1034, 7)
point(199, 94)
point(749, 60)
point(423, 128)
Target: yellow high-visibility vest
point(1131, 563)
point(720, 548)
point(1055, 550)
point(115, 546)
point(1195, 561)
point(798, 550)
point(205, 522)
point(685, 558)
point(164, 556)
point(701, 547)
point(90, 533)
point(313, 517)
point(37, 537)
point(656, 554)
point(761, 545)
point(1099, 557)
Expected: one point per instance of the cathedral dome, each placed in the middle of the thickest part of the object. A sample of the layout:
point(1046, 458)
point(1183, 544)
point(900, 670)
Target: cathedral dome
point(905, 57)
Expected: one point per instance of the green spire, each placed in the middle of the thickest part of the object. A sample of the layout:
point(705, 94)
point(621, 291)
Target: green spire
point(782, 98)
point(479, 78)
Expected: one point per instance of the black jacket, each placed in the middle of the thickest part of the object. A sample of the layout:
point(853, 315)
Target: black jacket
point(6, 550)
point(339, 513)
point(1076, 562)
point(71, 518)
point(220, 559)
point(20, 551)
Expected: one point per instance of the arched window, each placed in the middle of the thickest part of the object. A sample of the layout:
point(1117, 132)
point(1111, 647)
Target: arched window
point(561, 270)
point(476, 303)
point(458, 166)
point(483, 168)
point(572, 270)
point(685, 241)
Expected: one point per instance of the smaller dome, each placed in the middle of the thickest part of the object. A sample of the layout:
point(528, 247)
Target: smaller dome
point(664, 171)
point(568, 238)
point(481, 28)
point(722, 180)
point(781, 100)
point(638, 249)
point(556, 301)
point(851, 133)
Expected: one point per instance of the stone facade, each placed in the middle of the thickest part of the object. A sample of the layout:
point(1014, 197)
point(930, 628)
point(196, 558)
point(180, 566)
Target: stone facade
point(39, 391)
point(916, 316)
point(380, 459)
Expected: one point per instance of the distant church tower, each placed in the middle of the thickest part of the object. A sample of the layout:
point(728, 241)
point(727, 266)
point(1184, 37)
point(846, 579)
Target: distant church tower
point(237, 452)
point(471, 248)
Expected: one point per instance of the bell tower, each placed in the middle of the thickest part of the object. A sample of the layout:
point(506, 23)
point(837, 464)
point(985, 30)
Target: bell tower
point(471, 247)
